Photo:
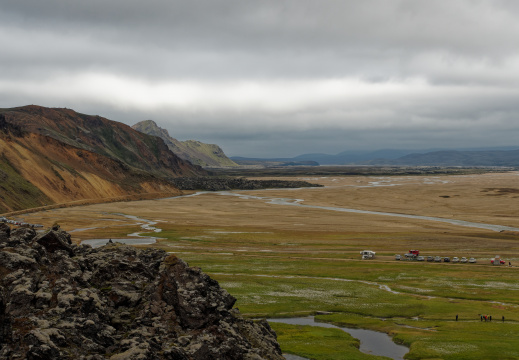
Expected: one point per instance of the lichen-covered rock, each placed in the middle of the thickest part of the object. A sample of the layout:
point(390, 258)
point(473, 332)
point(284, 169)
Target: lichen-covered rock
point(5, 232)
point(55, 240)
point(62, 301)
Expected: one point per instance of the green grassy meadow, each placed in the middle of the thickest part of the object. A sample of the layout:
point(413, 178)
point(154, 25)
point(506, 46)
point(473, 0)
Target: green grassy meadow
point(281, 261)
point(289, 274)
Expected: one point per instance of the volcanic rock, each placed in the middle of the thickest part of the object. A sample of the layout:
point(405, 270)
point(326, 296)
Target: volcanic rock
point(63, 301)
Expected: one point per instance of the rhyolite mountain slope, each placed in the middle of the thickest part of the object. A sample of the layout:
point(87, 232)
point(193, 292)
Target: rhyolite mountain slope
point(102, 136)
point(63, 301)
point(50, 156)
point(198, 153)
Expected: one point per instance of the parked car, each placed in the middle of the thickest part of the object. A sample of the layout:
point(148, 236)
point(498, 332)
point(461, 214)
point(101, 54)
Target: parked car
point(438, 259)
point(430, 258)
point(446, 259)
point(398, 257)
point(497, 260)
point(463, 259)
point(455, 259)
point(472, 260)
point(420, 258)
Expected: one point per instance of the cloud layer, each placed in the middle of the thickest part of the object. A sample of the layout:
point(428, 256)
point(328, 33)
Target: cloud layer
point(274, 78)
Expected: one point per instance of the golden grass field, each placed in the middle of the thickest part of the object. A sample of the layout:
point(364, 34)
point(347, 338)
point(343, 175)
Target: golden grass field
point(488, 198)
point(289, 260)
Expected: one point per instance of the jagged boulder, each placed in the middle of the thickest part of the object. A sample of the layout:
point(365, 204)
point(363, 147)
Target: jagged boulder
point(55, 240)
point(5, 232)
point(63, 301)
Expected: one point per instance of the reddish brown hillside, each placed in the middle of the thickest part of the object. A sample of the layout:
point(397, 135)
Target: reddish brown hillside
point(102, 136)
point(50, 156)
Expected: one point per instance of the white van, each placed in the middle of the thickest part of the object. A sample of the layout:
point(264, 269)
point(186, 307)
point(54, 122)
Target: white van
point(367, 254)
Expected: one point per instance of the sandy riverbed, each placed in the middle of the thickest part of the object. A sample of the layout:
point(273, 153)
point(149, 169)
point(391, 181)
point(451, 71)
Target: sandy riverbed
point(488, 198)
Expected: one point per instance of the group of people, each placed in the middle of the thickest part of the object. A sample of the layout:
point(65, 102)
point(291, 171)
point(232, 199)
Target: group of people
point(485, 317)
point(488, 318)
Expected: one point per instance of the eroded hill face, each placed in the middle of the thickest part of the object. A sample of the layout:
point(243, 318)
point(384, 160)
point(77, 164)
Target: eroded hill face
point(57, 155)
point(102, 136)
point(196, 152)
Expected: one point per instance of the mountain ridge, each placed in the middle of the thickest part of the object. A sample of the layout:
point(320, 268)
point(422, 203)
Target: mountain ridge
point(492, 156)
point(196, 152)
point(54, 155)
point(456, 158)
point(100, 135)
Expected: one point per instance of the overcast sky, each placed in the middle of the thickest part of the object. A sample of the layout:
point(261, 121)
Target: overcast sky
point(272, 77)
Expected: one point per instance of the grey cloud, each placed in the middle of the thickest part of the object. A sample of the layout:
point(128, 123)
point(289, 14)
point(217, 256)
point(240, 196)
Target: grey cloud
point(387, 26)
point(409, 22)
point(244, 39)
point(462, 51)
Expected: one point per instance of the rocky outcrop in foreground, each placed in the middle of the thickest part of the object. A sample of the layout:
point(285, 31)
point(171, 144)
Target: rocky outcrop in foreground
point(63, 301)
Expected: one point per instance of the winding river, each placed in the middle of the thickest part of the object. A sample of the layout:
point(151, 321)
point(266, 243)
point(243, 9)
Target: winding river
point(134, 238)
point(371, 342)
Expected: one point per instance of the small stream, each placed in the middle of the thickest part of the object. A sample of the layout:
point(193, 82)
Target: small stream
point(95, 243)
point(371, 342)
point(293, 357)
point(134, 239)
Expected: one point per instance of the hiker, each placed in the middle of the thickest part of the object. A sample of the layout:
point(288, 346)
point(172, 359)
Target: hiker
point(481, 317)
point(456, 317)
point(485, 317)
point(489, 317)
point(503, 318)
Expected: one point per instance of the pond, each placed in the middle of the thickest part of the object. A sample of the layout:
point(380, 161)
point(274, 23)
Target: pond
point(371, 342)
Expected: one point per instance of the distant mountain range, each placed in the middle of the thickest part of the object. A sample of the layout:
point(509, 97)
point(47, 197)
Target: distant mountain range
point(54, 155)
point(198, 153)
point(456, 158)
point(495, 156)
